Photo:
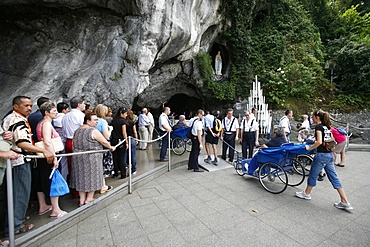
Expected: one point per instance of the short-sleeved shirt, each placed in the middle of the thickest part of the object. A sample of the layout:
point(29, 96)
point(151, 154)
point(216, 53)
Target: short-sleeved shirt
point(249, 126)
point(130, 128)
point(230, 125)
point(102, 125)
point(21, 129)
point(71, 122)
point(284, 122)
point(117, 124)
point(198, 125)
point(208, 121)
point(321, 148)
point(163, 120)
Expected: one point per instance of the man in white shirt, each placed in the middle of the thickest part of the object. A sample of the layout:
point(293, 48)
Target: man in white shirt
point(249, 133)
point(151, 125)
point(143, 124)
point(229, 134)
point(165, 127)
point(70, 123)
point(196, 126)
point(284, 122)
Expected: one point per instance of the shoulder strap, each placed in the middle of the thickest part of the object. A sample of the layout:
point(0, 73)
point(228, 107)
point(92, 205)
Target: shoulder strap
point(191, 128)
point(231, 125)
point(243, 122)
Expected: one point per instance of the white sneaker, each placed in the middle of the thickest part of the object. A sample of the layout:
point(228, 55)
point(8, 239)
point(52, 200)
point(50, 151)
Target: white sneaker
point(345, 206)
point(134, 173)
point(303, 195)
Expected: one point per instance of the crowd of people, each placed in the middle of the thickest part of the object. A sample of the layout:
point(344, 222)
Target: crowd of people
point(80, 127)
point(86, 128)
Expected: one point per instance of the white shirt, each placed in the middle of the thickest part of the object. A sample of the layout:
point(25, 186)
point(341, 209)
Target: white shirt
point(249, 126)
point(151, 118)
point(227, 122)
point(71, 122)
point(58, 120)
point(284, 122)
point(163, 120)
point(198, 125)
point(306, 124)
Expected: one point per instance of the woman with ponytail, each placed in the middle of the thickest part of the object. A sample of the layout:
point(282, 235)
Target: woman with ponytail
point(323, 159)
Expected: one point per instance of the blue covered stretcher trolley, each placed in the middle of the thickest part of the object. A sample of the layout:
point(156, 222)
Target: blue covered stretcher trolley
point(276, 168)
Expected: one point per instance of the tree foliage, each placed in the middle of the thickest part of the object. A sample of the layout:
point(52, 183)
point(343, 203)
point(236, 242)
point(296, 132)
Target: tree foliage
point(287, 44)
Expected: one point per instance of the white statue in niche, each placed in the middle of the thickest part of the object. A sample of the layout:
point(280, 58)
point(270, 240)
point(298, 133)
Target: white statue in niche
point(218, 63)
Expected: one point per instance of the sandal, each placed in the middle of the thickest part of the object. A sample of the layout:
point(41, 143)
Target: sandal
point(339, 165)
point(45, 211)
point(89, 201)
point(24, 229)
point(60, 215)
point(108, 189)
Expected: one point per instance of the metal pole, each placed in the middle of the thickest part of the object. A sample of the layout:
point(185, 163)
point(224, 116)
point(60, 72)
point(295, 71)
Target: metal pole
point(169, 151)
point(9, 183)
point(129, 166)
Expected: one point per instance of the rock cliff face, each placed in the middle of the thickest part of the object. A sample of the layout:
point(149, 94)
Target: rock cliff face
point(114, 52)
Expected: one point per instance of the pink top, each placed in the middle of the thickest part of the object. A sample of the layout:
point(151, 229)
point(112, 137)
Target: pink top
point(338, 136)
point(54, 133)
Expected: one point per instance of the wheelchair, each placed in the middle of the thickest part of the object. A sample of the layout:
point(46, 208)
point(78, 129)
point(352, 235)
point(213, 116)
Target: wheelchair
point(179, 142)
point(275, 168)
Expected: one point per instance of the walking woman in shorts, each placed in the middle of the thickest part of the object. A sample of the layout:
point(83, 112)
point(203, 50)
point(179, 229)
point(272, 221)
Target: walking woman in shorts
point(323, 159)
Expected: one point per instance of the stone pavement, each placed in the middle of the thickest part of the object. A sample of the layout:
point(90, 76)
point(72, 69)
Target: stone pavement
point(221, 208)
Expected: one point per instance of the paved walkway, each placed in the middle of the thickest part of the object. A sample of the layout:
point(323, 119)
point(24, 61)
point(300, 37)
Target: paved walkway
point(221, 208)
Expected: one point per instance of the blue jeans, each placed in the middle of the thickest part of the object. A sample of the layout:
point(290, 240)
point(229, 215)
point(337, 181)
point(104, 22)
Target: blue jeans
point(21, 194)
point(164, 146)
point(133, 155)
point(326, 161)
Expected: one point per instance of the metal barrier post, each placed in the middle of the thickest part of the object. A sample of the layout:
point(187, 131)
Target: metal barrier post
point(129, 166)
point(169, 151)
point(9, 180)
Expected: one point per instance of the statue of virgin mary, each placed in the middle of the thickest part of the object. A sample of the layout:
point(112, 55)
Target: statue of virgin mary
point(218, 63)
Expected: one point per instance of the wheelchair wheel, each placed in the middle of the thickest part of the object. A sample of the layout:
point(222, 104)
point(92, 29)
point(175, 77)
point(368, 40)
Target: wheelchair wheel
point(178, 145)
point(306, 161)
point(273, 177)
point(188, 145)
point(295, 173)
point(238, 168)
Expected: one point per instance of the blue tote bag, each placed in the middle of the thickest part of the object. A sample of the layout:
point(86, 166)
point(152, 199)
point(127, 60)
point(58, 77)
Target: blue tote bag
point(59, 186)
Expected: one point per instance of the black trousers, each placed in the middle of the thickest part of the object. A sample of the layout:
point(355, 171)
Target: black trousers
point(229, 139)
point(119, 158)
point(249, 139)
point(194, 153)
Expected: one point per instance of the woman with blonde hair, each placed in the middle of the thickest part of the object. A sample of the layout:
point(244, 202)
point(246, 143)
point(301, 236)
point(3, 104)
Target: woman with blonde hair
point(323, 159)
point(101, 112)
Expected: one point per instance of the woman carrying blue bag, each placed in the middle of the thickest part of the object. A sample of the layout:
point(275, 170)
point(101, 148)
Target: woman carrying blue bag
point(46, 132)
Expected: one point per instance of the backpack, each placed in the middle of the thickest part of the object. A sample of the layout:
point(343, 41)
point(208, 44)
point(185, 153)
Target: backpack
point(342, 131)
point(329, 142)
point(217, 125)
